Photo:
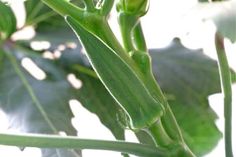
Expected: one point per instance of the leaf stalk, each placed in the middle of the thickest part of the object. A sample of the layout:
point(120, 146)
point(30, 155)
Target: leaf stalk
point(226, 83)
point(70, 142)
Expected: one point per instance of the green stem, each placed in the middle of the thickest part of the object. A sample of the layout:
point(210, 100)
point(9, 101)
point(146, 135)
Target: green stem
point(64, 8)
point(127, 23)
point(170, 124)
point(41, 18)
point(89, 5)
point(168, 120)
point(106, 7)
point(95, 23)
point(225, 76)
point(159, 135)
point(30, 91)
point(85, 70)
point(139, 39)
point(49, 141)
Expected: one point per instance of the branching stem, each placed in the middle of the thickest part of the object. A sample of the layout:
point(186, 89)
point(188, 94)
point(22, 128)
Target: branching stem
point(89, 5)
point(106, 7)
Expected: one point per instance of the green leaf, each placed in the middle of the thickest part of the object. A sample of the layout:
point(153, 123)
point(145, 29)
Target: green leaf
point(43, 17)
point(38, 13)
point(34, 106)
point(188, 77)
point(7, 21)
point(121, 81)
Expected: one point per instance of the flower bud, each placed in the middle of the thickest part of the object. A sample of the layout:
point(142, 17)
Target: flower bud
point(133, 7)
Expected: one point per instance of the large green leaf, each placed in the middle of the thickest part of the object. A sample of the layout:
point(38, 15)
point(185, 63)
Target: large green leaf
point(36, 106)
point(7, 21)
point(188, 77)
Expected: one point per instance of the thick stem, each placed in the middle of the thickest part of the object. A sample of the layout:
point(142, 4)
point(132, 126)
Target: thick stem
point(168, 120)
point(225, 76)
point(159, 135)
point(64, 8)
point(49, 141)
point(96, 24)
point(171, 125)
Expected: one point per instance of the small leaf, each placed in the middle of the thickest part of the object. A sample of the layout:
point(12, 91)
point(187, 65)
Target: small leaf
point(120, 80)
point(7, 21)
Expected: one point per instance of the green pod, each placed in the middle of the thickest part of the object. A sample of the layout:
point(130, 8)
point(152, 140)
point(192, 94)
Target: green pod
point(7, 21)
point(133, 7)
point(120, 80)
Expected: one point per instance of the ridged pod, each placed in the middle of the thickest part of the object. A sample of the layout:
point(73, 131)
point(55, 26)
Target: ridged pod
point(120, 80)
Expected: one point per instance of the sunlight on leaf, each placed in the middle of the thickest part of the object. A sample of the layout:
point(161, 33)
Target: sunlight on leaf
point(25, 33)
point(33, 69)
point(48, 55)
point(40, 45)
point(75, 82)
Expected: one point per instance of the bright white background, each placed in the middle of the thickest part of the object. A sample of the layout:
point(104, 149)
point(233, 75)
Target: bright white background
point(166, 19)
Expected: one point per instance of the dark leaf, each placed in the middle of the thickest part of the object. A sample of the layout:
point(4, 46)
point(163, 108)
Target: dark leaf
point(34, 106)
